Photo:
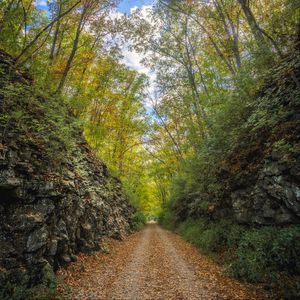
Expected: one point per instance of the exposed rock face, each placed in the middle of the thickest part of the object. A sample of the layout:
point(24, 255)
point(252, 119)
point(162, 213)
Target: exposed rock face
point(261, 178)
point(53, 203)
point(273, 199)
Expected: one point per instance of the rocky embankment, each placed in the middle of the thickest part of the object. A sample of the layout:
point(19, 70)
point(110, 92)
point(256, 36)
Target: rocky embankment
point(56, 198)
point(259, 180)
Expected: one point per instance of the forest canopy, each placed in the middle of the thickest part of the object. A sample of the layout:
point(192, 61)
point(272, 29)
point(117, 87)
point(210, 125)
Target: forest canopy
point(207, 61)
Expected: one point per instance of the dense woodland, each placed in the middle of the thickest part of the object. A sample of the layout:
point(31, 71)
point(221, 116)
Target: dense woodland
point(174, 139)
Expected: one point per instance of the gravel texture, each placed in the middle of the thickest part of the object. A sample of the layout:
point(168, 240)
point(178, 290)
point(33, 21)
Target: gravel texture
point(153, 264)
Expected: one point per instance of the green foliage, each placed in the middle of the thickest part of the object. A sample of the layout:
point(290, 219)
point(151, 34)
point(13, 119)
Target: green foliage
point(40, 119)
point(234, 234)
point(38, 292)
point(139, 220)
point(283, 146)
point(263, 252)
point(210, 237)
point(285, 249)
point(254, 254)
point(166, 219)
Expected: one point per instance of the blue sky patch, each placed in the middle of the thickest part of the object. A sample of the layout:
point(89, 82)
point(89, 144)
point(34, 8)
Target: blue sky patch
point(126, 5)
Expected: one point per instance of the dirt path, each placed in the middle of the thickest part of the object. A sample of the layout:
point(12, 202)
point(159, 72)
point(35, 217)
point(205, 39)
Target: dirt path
point(153, 264)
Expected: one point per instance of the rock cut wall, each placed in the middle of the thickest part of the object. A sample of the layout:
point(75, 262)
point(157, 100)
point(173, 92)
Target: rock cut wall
point(56, 198)
point(261, 177)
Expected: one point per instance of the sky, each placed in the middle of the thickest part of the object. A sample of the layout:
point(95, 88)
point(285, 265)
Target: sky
point(131, 58)
point(126, 5)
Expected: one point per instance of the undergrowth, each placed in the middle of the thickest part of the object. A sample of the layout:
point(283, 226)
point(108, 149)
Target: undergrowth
point(37, 118)
point(255, 254)
point(139, 220)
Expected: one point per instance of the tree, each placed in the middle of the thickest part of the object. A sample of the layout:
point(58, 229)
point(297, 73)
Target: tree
point(88, 9)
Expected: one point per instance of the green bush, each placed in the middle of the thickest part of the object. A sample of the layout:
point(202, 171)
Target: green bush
point(234, 235)
point(139, 220)
point(211, 240)
point(253, 249)
point(254, 254)
point(209, 237)
point(167, 219)
point(285, 250)
point(263, 252)
point(39, 292)
point(191, 229)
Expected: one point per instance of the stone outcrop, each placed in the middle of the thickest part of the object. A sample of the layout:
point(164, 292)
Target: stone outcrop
point(259, 180)
point(274, 197)
point(56, 198)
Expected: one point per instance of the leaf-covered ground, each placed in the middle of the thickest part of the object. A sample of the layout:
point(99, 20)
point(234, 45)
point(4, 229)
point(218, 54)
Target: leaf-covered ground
point(152, 264)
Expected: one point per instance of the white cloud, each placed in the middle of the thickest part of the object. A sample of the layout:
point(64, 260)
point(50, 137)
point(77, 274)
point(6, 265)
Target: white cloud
point(133, 9)
point(41, 3)
point(115, 15)
point(133, 59)
point(144, 10)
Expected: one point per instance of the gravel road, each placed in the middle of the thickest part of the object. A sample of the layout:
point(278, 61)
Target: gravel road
point(154, 264)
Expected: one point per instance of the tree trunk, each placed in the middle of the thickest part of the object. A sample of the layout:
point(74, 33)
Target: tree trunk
point(57, 27)
point(73, 52)
point(255, 29)
point(232, 32)
point(44, 30)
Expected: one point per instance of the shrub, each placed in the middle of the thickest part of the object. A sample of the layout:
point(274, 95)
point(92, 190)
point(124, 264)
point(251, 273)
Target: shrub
point(210, 237)
point(38, 292)
point(261, 253)
point(251, 261)
point(191, 229)
point(285, 250)
point(254, 254)
point(167, 219)
point(234, 235)
point(139, 220)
